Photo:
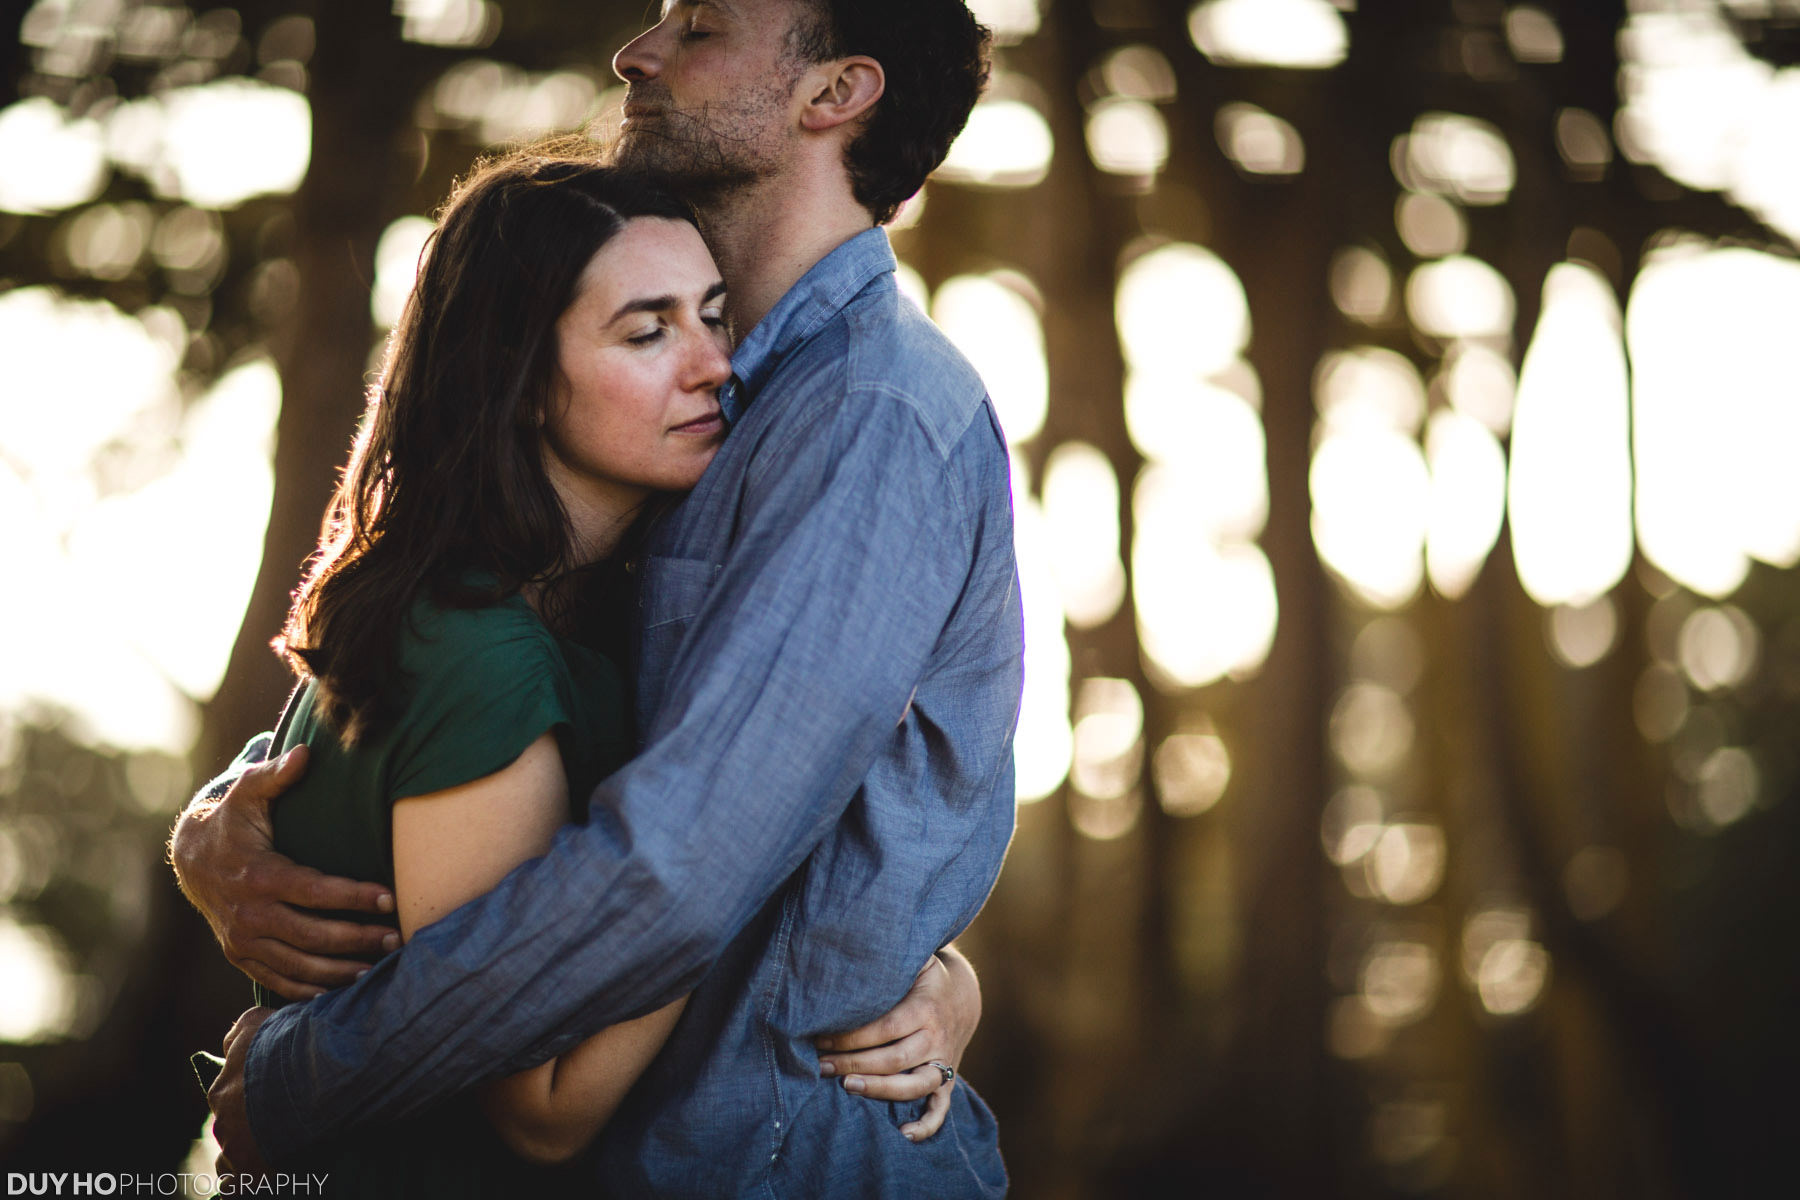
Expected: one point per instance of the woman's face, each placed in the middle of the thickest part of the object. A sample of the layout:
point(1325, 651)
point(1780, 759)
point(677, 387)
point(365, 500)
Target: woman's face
point(641, 354)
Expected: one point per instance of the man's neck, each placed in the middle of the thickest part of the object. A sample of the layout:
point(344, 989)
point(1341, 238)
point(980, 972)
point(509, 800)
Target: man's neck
point(765, 237)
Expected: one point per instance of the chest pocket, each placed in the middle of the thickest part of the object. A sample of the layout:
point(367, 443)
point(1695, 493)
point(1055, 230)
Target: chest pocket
point(672, 592)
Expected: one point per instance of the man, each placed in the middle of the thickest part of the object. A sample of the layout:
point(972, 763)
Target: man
point(829, 673)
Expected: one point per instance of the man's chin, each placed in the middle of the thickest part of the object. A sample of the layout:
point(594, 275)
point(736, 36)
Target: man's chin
point(674, 166)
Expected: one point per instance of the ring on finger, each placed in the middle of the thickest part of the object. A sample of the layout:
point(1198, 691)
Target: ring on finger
point(944, 1069)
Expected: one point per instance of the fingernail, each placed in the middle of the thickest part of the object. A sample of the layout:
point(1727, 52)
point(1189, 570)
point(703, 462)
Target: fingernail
point(391, 942)
point(384, 902)
point(359, 975)
point(909, 1135)
point(853, 1083)
point(828, 1068)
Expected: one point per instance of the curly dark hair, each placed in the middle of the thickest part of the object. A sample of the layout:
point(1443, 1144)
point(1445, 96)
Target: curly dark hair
point(935, 56)
point(445, 494)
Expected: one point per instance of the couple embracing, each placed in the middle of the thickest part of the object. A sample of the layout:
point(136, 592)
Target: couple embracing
point(676, 572)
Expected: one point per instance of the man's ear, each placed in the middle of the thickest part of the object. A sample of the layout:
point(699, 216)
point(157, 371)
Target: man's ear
point(840, 91)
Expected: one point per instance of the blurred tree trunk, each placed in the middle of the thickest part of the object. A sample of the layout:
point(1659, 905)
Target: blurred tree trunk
point(364, 80)
point(356, 184)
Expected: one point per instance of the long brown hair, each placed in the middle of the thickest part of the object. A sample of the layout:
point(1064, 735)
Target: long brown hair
point(445, 494)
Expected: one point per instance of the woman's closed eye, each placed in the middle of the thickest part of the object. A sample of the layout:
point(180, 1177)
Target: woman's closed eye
point(646, 337)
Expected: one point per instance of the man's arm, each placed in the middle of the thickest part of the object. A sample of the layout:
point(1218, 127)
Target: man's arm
point(256, 900)
point(848, 560)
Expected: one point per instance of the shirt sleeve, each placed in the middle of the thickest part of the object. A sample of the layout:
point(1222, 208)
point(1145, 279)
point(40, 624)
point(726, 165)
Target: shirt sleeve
point(255, 751)
point(484, 684)
point(848, 560)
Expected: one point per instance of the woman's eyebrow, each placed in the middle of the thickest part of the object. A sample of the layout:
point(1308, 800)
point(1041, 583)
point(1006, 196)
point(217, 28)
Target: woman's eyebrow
point(663, 303)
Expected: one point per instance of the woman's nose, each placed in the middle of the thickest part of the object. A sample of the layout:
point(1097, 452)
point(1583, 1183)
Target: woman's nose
point(710, 366)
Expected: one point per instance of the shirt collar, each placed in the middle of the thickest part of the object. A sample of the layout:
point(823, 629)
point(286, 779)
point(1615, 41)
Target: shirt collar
point(820, 295)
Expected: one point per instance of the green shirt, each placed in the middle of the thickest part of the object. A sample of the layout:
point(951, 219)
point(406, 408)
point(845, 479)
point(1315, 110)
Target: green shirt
point(478, 686)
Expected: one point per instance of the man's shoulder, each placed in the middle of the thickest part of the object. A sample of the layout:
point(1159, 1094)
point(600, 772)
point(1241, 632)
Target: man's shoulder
point(892, 353)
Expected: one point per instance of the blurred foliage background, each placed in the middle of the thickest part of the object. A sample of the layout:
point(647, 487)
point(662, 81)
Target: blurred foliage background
point(1403, 395)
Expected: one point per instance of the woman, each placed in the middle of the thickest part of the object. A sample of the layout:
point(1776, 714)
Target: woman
point(555, 373)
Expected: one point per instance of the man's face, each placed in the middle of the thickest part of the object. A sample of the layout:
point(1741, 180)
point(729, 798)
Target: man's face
point(711, 104)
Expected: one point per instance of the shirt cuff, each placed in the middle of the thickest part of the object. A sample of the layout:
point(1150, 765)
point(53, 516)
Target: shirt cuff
point(275, 1121)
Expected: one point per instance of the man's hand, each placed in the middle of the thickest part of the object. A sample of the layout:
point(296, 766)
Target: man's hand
point(895, 1056)
point(231, 1118)
point(253, 897)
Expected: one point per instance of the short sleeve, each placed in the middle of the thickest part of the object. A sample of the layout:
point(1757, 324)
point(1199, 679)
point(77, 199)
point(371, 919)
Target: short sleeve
point(483, 684)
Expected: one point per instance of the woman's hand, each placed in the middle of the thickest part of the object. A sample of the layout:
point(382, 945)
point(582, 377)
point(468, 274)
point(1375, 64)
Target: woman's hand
point(896, 1056)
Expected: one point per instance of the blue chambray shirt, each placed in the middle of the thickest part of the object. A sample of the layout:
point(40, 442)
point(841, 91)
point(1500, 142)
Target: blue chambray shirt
point(830, 666)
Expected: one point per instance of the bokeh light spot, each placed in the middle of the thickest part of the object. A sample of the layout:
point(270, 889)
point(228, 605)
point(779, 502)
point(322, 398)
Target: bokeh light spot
point(1204, 610)
point(998, 329)
point(1463, 157)
point(397, 261)
point(1512, 976)
point(1109, 738)
point(1006, 144)
point(1584, 144)
point(1580, 635)
point(1728, 786)
point(1431, 226)
point(1272, 33)
point(1259, 142)
point(1481, 383)
point(1370, 495)
point(1407, 864)
point(1371, 729)
point(1191, 771)
point(1718, 647)
point(1468, 499)
point(1399, 981)
point(1011, 21)
point(1362, 285)
point(226, 141)
point(1140, 72)
point(1460, 297)
point(1714, 412)
point(1533, 35)
point(48, 160)
point(1081, 506)
point(1127, 137)
point(38, 1002)
point(1569, 497)
point(448, 22)
point(1183, 307)
point(1352, 824)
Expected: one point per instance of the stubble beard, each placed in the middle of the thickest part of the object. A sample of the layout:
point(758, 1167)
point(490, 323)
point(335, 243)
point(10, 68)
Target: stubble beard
point(706, 154)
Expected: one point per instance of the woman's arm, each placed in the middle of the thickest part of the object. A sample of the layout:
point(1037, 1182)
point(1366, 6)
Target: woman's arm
point(454, 845)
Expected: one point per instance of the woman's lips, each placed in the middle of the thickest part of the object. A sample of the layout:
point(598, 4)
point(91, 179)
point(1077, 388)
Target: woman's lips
point(711, 423)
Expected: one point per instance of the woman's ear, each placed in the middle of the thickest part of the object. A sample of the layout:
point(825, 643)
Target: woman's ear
point(841, 91)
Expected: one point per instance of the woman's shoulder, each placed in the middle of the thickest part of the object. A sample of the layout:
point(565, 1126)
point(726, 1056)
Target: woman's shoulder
point(501, 654)
point(505, 634)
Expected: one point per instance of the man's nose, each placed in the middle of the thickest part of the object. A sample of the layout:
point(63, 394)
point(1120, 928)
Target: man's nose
point(640, 58)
